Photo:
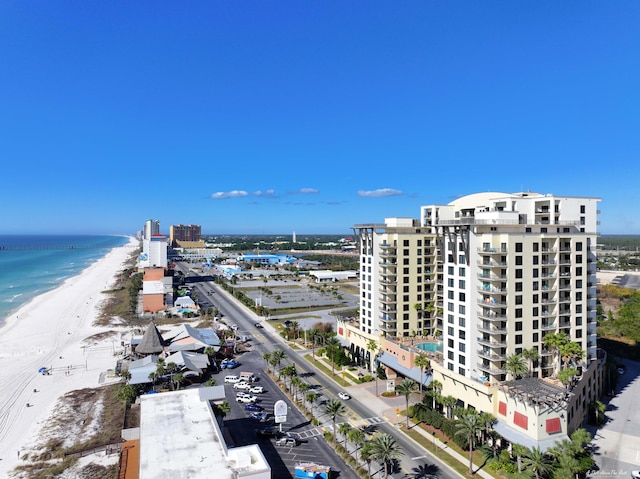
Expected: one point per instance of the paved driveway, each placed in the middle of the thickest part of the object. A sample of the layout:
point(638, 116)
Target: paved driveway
point(618, 441)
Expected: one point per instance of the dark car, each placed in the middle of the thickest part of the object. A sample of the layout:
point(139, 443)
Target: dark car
point(253, 407)
point(287, 441)
point(259, 416)
point(258, 325)
point(270, 432)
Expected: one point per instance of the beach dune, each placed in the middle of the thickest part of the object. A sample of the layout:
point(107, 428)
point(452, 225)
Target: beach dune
point(50, 332)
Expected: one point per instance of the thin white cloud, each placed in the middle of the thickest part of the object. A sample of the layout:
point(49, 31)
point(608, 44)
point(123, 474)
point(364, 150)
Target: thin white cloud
point(266, 193)
point(307, 191)
point(379, 193)
point(229, 194)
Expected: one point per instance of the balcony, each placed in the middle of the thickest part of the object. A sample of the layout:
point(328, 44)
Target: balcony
point(500, 250)
point(492, 264)
point(549, 326)
point(492, 316)
point(492, 277)
point(488, 354)
point(548, 313)
point(492, 343)
point(491, 302)
point(489, 329)
point(387, 263)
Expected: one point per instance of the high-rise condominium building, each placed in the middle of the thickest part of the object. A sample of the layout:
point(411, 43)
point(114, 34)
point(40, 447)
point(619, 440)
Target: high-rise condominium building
point(151, 227)
point(490, 274)
point(191, 233)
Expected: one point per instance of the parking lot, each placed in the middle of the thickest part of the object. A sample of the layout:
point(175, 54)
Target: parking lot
point(240, 429)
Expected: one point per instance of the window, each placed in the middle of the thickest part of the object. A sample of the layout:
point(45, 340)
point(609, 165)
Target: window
point(518, 325)
point(519, 299)
point(461, 258)
point(518, 286)
point(461, 272)
point(519, 260)
point(450, 282)
point(462, 334)
point(536, 247)
point(583, 209)
point(534, 299)
point(553, 425)
point(520, 420)
point(579, 246)
point(461, 297)
point(518, 312)
point(451, 270)
point(534, 338)
point(405, 243)
point(518, 247)
point(450, 307)
point(462, 284)
point(450, 318)
point(578, 258)
point(461, 322)
point(518, 338)
point(450, 294)
point(535, 313)
point(450, 343)
point(462, 347)
point(450, 355)
point(536, 260)
point(535, 324)
point(462, 360)
point(462, 309)
point(518, 273)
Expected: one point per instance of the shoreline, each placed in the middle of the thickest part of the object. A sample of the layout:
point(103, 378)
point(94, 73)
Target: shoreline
point(50, 331)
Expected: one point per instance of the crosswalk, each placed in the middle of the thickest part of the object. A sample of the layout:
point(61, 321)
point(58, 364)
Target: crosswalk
point(318, 431)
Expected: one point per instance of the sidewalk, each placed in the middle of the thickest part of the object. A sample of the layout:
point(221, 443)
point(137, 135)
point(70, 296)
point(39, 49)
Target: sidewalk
point(386, 408)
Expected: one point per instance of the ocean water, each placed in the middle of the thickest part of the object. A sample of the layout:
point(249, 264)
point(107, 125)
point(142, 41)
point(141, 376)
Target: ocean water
point(33, 265)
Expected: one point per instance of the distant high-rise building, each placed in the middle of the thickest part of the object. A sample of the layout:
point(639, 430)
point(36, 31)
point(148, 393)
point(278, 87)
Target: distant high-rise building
point(151, 227)
point(294, 237)
point(190, 233)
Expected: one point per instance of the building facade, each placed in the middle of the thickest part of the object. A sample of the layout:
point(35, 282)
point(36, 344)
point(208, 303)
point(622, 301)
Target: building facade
point(484, 278)
point(186, 233)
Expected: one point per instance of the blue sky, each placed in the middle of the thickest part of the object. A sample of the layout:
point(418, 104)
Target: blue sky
point(270, 117)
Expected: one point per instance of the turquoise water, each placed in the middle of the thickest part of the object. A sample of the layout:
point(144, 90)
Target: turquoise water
point(33, 265)
point(430, 347)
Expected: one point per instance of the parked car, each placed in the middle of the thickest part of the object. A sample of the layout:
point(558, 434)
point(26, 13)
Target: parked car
point(344, 396)
point(232, 379)
point(287, 441)
point(259, 416)
point(242, 385)
point(232, 364)
point(256, 389)
point(241, 394)
point(253, 407)
point(635, 474)
point(258, 325)
point(270, 432)
point(246, 399)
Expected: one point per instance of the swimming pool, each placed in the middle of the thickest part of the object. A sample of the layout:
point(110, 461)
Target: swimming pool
point(430, 347)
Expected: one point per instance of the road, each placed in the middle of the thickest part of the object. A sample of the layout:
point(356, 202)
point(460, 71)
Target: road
point(416, 463)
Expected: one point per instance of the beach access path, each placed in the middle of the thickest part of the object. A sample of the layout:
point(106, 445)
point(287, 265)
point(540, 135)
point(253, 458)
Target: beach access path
point(50, 332)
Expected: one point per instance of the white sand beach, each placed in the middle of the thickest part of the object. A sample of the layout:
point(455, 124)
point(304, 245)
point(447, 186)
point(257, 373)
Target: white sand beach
point(50, 332)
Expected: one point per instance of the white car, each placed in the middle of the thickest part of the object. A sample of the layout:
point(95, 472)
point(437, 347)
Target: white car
point(242, 385)
point(344, 396)
point(242, 394)
point(231, 379)
point(246, 399)
point(256, 389)
point(635, 474)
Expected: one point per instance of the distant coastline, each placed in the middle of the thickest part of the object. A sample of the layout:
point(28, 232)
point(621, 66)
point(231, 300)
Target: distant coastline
point(31, 265)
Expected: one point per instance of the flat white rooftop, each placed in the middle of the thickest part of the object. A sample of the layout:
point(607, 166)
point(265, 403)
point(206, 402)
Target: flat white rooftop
point(180, 438)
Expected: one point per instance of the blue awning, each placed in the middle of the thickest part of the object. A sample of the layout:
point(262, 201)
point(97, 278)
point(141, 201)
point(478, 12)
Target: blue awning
point(413, 373)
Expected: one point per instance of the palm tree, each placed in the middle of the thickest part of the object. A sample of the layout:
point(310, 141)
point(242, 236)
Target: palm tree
point(334, 408)
point(488, 420)
point(468, 426)
point(372, 346)
point(313, 333)
point(333, 346)
point(311, 398)
point(448, 402)
point(407, 387)
point(176, 380)
point(344, 429)
point(571, 352)
point(356, 437)
point(295, 383)
point(436, 387)
point(554, 341)
point(221, 410)
point(153, 376)
point(302, 388)
point(536, 461)
point(366, 454)
point(289, 372)
point(267, 359)
point(385, 449)
point(277, 356)
point(530, 355)
point(422, 361)
point(126, 375)
point(516, 366)
point(295, 327)
point(519, 451)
